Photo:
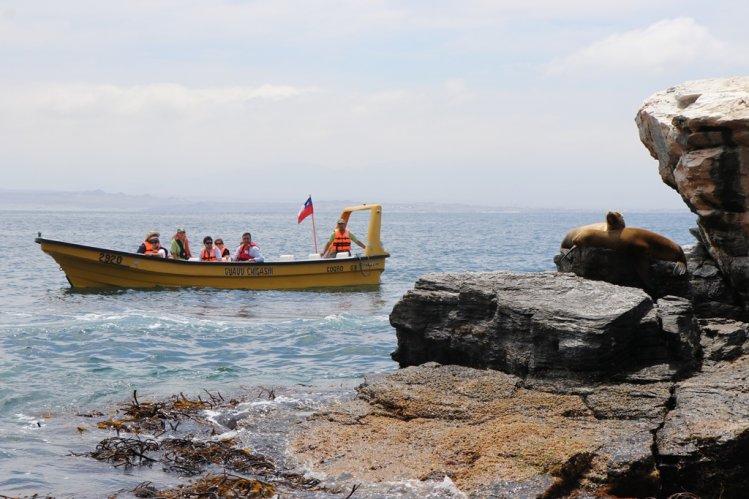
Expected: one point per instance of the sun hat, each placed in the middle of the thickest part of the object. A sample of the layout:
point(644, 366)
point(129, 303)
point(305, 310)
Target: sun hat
point(341, 221)
point(180, 229)
point(152, 234)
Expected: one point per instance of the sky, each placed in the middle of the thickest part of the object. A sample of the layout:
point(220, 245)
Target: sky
point(527, 104)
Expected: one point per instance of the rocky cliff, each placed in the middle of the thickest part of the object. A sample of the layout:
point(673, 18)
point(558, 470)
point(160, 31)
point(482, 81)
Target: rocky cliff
point(699, 133)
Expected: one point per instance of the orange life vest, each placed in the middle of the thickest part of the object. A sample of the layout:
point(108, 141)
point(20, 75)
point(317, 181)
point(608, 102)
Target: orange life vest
point(243, 254)
point(208, 256)
point(151, 249)
point(341, 242)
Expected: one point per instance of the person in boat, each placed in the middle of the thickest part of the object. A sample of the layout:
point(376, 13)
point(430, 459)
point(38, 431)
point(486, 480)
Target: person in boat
point(180, 248)
point(152, 247)
point(225, 253)
point(248, 251)
point(340, 240)
point(209, 253)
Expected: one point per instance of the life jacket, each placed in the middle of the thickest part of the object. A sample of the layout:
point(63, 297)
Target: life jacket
point(243, 254)
point(342, 242)
point(208, 256)
point(183, 252)
point(151, 249)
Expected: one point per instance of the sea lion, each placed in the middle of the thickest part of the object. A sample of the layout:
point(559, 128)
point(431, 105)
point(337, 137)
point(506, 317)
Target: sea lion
point(640, 243)
point(614, 221)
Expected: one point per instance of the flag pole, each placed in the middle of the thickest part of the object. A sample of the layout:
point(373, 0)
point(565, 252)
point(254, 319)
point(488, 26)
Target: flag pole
point(314, 231)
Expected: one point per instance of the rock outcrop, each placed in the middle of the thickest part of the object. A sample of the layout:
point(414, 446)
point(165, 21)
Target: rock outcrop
point(704, 284)
point(543, 324)
point(618, 267)
point(710, 292)
point(699, 133)
point(661, 391)
point(704, 444)
point(558, 385)
point(488, 434)
point(497, 435)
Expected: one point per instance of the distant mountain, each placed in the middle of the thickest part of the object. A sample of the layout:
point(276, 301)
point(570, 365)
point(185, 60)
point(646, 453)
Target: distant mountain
point(29, 200)
point(33, 200)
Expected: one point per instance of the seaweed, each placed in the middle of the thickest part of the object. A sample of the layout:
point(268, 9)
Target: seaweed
point(156, 435)
point(125, 451)
point(224, 485)
point(189, 456)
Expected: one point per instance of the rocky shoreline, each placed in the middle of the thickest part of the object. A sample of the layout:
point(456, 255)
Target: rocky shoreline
point(593, 381)
point(588, 381)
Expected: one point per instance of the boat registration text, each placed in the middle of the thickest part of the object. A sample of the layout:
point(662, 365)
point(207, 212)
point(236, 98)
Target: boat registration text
point(248, 271)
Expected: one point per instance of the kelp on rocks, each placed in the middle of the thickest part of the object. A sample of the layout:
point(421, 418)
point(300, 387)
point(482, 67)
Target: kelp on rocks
point(177, 434)
point(225, 486)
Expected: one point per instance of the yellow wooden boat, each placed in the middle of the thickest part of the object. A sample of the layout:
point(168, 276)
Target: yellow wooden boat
point(90, 267)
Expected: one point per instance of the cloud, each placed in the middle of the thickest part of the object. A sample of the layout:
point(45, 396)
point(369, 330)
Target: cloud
point(665, 45)
point(107, 99)
point(79, 23)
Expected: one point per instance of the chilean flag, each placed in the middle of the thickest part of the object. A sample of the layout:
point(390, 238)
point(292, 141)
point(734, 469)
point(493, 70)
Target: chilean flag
point(306, 210)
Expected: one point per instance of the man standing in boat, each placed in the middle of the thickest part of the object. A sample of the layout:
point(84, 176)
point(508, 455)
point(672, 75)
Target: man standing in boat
point(340, 240)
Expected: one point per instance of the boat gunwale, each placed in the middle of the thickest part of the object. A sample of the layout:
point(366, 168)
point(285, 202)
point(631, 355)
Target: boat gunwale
point(170, 261)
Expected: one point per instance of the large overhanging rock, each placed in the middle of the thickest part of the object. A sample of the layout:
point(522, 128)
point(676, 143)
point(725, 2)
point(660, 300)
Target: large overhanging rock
point(699, 133)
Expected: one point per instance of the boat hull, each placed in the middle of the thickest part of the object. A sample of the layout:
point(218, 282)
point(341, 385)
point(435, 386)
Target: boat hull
point(91, 267)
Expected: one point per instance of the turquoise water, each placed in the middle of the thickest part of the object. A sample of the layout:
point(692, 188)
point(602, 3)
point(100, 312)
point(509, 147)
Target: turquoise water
point(65, 351)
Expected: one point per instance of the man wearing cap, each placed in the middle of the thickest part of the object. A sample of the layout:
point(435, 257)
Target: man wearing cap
point(152, 247)
point(180, 247)
point(340, 240)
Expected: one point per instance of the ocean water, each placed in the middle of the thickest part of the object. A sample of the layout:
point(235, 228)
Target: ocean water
point(63, 352)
